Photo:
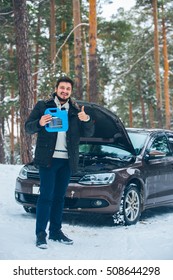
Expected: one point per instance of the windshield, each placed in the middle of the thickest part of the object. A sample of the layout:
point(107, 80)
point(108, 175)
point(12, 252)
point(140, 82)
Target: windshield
point(103, 150)
point(111, 151)
point(137, 140)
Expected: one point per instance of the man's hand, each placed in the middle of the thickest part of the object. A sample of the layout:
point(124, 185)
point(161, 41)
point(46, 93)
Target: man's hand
point(83, 116)
point(45, 119)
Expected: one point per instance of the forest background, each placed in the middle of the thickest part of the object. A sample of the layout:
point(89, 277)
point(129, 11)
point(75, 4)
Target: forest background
point(123, 63)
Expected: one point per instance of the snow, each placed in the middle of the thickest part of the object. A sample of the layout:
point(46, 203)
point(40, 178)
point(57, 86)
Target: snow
point(96, 244)
point(149, 239)
point(112, 7)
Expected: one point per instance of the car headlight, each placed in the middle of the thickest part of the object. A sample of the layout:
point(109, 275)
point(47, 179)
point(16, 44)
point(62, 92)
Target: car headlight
point(23, 173)
point(97, 179)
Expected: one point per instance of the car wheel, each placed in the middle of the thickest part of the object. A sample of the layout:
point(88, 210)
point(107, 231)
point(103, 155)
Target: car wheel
point(130, 207)
point(29, 209)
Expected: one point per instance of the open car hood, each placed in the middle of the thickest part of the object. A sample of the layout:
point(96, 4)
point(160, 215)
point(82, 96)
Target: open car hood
point(108, 127)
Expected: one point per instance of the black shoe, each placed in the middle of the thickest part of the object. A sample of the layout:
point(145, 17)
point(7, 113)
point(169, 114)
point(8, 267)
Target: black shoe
point(61, 237)
point(41, 240)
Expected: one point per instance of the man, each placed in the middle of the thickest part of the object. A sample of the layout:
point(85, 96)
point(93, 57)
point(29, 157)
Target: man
point(56, 155)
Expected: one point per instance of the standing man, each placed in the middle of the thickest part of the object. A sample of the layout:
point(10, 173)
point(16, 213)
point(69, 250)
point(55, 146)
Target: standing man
point(56, 154)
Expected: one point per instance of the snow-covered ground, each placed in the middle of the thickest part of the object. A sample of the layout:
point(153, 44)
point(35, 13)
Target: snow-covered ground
point(97, 243)
point(149, 239)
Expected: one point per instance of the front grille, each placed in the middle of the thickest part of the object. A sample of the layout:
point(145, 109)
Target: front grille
point(75, 203)
point(27, 198)
point(35, 175)
point(70, 203)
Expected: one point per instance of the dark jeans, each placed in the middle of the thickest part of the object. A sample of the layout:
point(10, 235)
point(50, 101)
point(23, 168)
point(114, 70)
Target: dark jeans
point(53, 185)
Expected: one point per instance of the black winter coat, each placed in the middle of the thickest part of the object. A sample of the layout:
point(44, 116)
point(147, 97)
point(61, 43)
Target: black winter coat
point(46, 141)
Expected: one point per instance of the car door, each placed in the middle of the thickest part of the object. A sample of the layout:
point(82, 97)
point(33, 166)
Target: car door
point(159, 171)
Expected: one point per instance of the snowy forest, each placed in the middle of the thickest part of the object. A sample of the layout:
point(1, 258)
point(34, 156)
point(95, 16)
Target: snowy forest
point(123, 63)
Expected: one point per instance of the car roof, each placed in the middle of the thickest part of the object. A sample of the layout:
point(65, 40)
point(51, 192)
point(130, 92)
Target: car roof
point(148, 130)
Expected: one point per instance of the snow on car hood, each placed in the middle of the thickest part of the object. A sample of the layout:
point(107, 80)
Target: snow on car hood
point(108, 126)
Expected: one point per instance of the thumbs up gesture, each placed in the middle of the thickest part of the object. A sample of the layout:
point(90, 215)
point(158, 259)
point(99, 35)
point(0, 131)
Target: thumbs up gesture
point(83, 116)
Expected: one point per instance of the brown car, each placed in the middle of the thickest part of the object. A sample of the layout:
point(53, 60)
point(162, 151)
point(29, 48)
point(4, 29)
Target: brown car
point(121, 172)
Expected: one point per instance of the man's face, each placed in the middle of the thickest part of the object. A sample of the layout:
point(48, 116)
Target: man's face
point(64, 91)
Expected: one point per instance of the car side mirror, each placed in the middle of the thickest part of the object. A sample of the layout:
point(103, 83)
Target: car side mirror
point(154, 154)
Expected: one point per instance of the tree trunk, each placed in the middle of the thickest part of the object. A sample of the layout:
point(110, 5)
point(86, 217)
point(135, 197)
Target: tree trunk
point(77, 49)
point(166, 73)
point(86, 65)
point(2, 153)
point(12, 131)
point(12, 114)
point(93, 86)
point(157, 64)
point(37, 48)
point(52, 34)
point(24, 75)
point(65, 52)
point(2, 95)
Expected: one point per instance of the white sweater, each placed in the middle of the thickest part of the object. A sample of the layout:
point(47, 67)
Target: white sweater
point(61, 143)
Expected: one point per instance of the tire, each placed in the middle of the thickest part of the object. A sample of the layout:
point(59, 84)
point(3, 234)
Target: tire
point(131, 205)
point(28, 209)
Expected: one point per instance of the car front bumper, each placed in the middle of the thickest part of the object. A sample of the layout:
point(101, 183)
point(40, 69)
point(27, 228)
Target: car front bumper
point(79, 198)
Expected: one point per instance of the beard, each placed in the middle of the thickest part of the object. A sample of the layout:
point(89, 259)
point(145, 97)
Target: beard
point(62, 100)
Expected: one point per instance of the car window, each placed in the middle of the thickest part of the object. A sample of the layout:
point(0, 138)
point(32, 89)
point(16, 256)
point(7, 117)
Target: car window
point(160, 144)
point(170, 138)
point(138, 140)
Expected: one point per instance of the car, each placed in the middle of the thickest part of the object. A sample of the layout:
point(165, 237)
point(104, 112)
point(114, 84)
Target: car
point(122, 171)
